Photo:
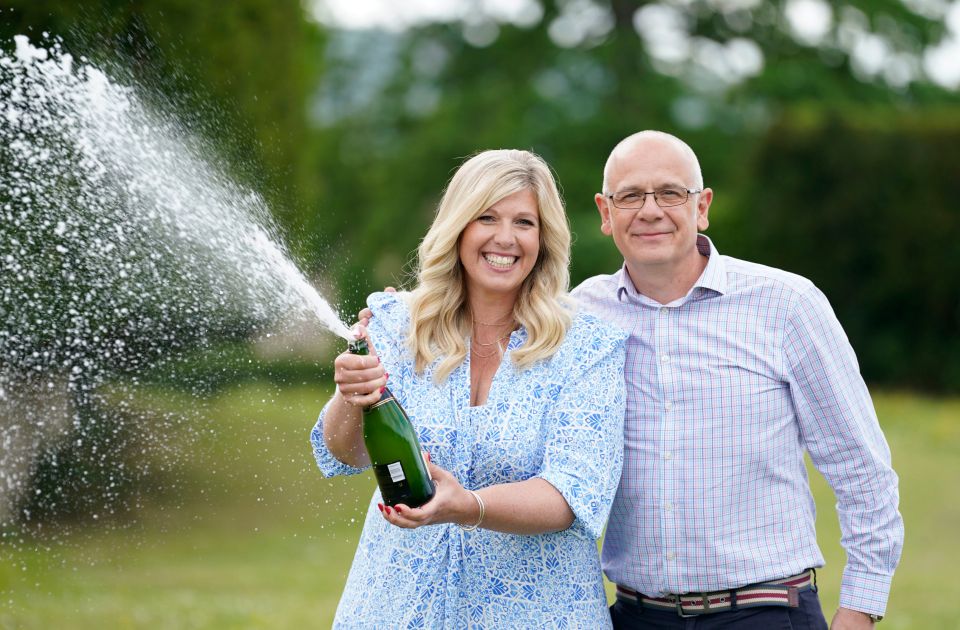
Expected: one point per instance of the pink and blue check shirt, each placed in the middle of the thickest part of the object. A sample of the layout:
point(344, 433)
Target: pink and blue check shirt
point(726, 388)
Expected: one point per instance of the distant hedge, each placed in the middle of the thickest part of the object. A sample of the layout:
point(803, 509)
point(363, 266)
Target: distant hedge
point(868, 207)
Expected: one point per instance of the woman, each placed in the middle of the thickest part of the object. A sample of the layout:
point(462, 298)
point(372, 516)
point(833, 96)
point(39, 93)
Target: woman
point(517, 399)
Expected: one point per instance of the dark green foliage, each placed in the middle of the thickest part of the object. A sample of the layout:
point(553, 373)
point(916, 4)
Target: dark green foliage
point(866, 207)
point(104, 470)
point(237, 73)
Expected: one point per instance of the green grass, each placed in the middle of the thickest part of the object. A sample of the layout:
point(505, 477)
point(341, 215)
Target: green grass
point(258, 539)
point(924, 437)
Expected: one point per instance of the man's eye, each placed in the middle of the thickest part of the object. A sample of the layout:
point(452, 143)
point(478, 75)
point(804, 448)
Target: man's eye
point(669, 194)
point(630, 196)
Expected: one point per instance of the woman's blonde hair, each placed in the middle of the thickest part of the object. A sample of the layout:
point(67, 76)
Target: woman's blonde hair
point(440, 321)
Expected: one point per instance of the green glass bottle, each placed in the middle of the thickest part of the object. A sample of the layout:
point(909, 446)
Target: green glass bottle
point(394, 448)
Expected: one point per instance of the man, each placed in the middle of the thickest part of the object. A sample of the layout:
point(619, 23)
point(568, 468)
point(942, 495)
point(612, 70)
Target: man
point(733, 370)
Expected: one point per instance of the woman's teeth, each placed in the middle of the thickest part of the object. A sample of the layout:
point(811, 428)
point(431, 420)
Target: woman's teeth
point(502, 262)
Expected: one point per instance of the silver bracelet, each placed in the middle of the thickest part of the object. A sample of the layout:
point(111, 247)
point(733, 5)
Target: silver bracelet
point(483, 511)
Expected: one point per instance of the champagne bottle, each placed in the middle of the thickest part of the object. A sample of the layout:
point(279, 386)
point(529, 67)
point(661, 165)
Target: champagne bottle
point(394, 449)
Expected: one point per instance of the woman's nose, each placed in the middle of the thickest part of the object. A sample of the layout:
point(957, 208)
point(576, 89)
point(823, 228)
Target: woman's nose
point(504, 234)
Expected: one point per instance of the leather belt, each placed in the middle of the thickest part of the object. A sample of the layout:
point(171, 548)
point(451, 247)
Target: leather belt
point(785, 592)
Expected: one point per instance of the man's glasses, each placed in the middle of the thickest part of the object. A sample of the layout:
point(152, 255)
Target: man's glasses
point(664, 197)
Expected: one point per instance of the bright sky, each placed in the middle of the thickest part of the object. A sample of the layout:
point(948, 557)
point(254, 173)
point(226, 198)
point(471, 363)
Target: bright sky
point(393, 15)
point(810, 22)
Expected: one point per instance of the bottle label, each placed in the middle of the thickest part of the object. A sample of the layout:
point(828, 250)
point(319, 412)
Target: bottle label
point(393, 482)
point(396, 472)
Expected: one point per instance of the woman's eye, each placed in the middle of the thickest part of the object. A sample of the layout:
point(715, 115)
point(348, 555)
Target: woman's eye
point(486, 218)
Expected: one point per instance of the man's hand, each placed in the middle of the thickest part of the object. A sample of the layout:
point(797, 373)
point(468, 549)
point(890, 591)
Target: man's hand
point(847, 619)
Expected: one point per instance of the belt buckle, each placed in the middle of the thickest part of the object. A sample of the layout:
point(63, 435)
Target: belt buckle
point(681, 613)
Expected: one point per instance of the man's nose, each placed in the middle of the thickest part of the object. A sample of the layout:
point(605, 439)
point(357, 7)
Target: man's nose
point(649, 209)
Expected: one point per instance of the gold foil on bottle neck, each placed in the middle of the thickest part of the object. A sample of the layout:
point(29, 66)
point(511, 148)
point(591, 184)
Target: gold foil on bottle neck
point(379, 403)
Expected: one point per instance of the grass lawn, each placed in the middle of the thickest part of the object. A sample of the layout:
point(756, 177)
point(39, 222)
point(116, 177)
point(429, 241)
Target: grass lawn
point(258, 539)
point(924, 437)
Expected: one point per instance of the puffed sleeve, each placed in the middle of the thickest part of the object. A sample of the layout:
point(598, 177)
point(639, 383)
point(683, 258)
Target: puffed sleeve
point(387, 331)
point(583, 456)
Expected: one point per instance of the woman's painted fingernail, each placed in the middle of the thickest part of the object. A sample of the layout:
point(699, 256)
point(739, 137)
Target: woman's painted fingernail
point(382, 389)
point(378, 360)
point(397, 509)
point(380, 506)
point(387, 509)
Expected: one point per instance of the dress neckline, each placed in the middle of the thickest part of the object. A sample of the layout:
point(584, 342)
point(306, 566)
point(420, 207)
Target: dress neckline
point(515, 339)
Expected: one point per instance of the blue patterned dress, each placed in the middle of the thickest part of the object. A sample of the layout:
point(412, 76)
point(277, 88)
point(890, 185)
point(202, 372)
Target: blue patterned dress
point(560, 420)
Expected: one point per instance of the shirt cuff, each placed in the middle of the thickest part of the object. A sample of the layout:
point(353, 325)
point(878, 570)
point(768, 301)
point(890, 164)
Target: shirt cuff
point(588, 517)
point(865, 592)
point(329, 465)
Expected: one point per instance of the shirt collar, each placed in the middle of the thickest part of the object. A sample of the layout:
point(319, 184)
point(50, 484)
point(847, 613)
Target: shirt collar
point(714, 276)
point(713, 279)
point(624, 284)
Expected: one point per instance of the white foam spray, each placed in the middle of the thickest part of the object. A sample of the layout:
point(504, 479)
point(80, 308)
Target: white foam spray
point(121, 241)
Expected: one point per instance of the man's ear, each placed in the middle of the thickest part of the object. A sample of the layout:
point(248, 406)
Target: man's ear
point(703, 209)
point(606, 221)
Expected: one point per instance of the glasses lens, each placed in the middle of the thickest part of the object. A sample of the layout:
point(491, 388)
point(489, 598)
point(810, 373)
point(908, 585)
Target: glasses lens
point(667, 197)
point(629, 200)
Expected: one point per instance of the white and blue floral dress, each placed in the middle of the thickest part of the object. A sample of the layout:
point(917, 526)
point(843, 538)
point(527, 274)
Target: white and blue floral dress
point(560, 420)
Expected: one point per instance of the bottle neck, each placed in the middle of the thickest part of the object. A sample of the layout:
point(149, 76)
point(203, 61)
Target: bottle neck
point(360, 346)
point(385, 397)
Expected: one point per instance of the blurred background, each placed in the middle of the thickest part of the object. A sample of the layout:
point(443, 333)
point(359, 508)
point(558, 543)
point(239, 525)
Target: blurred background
point(829, 131)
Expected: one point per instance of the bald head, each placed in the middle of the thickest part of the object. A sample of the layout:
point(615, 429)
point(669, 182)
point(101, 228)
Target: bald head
point(643, 142)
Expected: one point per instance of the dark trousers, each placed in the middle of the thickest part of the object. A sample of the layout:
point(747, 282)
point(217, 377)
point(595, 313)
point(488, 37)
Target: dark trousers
point(807, 616)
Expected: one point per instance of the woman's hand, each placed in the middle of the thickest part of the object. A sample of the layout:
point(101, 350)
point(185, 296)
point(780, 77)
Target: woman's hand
point(360, 379)
point(451, 504)
point(365, 313)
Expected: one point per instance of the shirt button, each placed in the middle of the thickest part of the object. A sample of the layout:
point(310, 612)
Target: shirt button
point(671, 555)
point(668, 405)
point(668, 455)
point(665, 358)
point(668, 506)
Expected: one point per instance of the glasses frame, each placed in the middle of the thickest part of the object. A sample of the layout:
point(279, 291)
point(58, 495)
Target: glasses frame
point(656, 200)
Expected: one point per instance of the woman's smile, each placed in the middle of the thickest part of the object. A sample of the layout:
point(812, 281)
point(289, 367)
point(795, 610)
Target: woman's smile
point(500, 262)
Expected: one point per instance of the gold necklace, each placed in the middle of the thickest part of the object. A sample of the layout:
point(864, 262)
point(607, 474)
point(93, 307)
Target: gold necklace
point(491, 343)
point(506, 320)
point(480, 355)
point(476, 339)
